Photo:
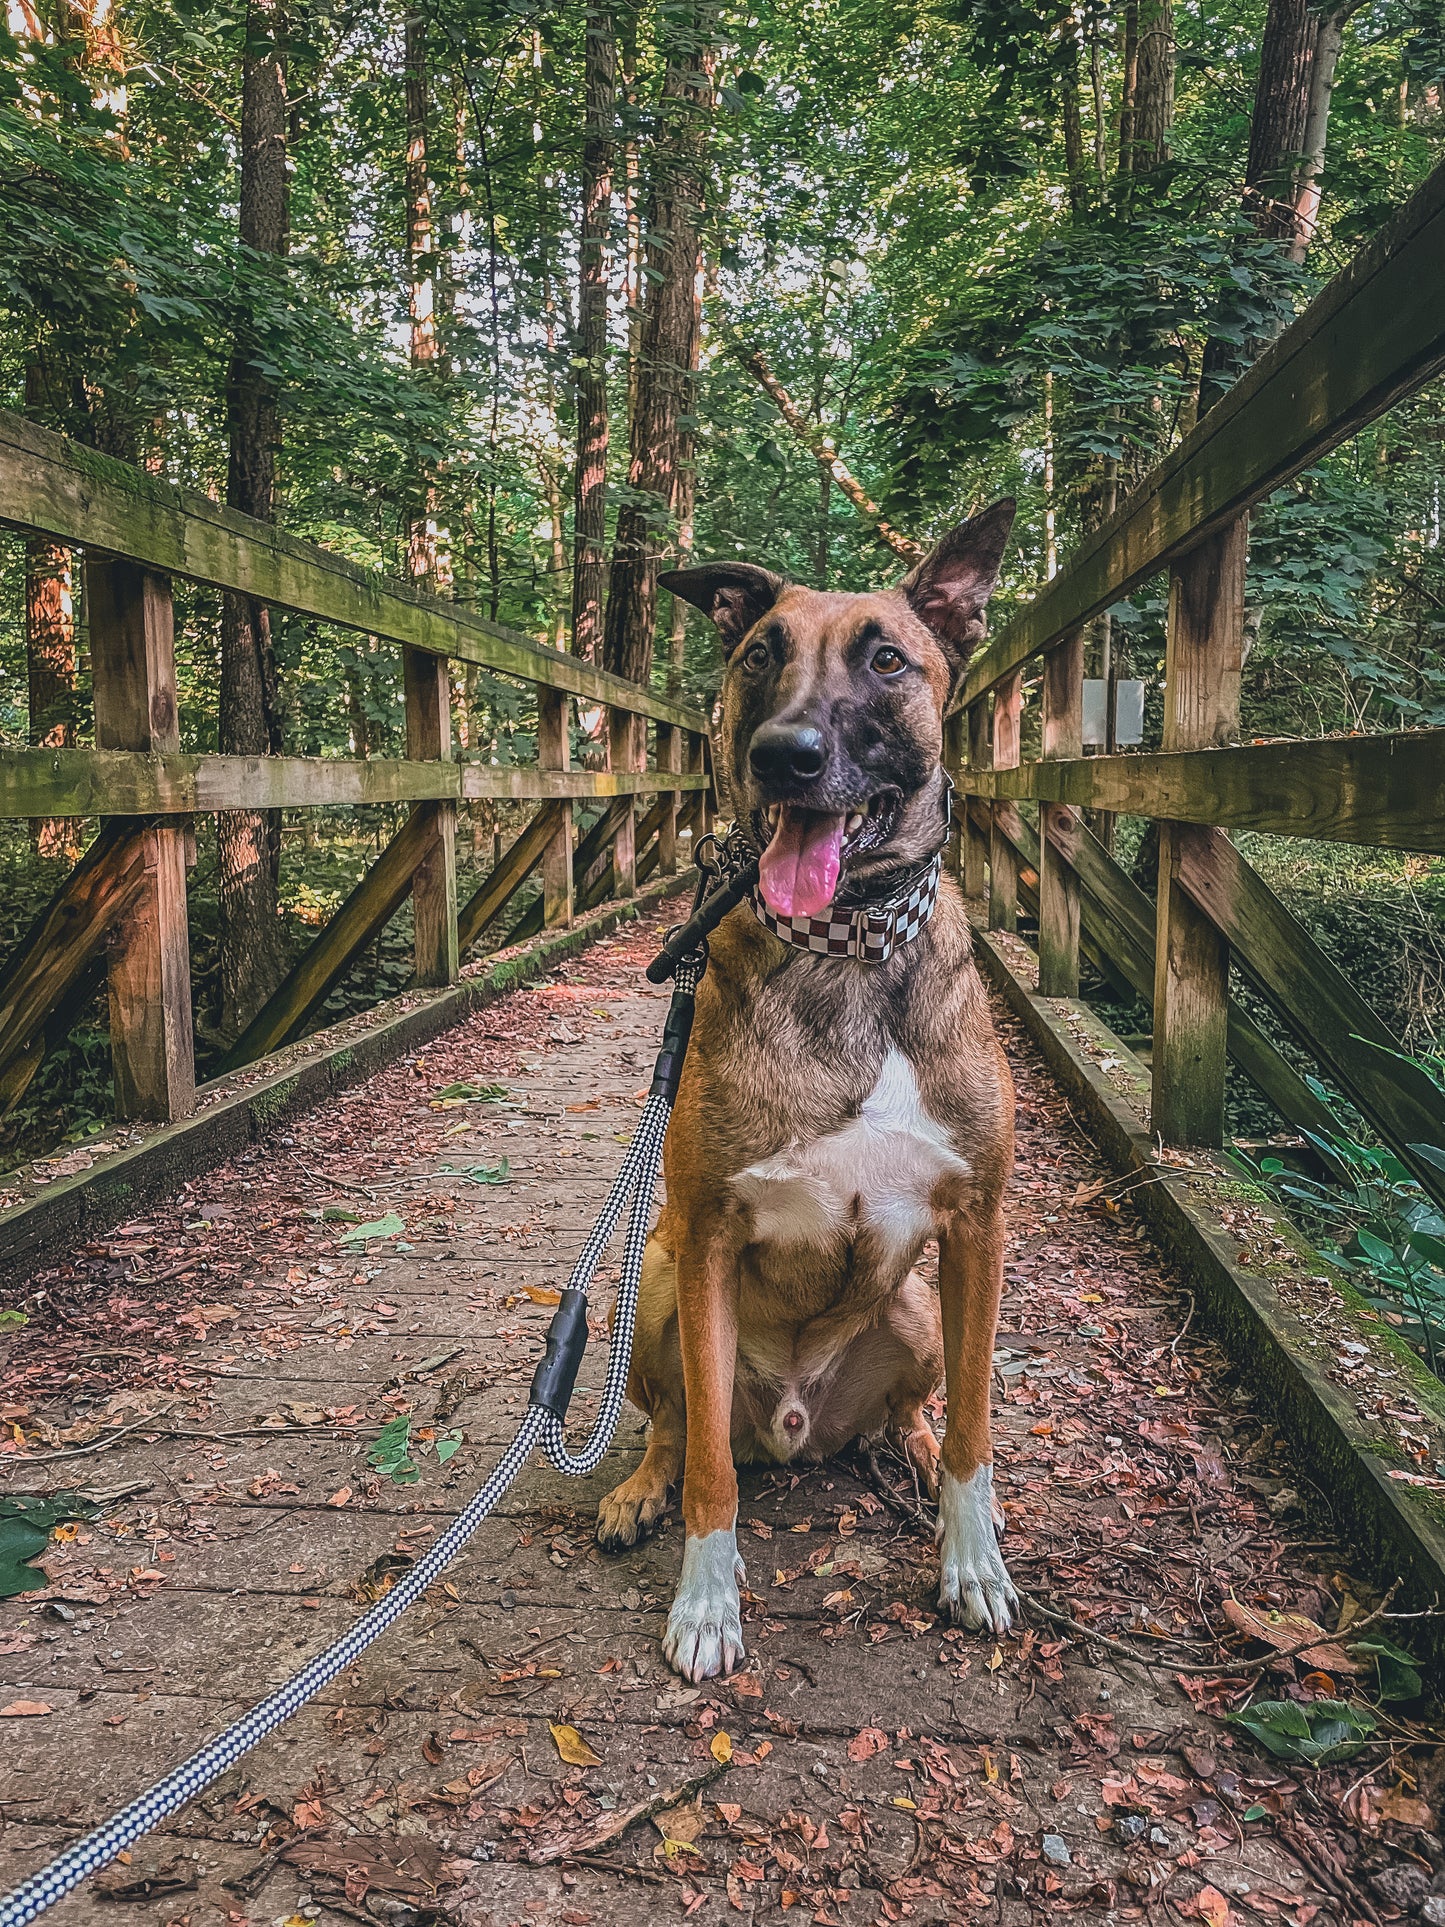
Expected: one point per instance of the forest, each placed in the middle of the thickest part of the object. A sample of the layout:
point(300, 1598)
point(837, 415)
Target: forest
point(523, 301)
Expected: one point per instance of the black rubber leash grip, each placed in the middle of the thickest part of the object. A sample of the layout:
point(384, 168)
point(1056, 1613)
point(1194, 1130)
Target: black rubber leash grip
point(560, 1363)
point(667, 1073)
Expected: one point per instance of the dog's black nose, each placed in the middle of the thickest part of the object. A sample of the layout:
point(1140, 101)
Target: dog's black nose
point(787, 753)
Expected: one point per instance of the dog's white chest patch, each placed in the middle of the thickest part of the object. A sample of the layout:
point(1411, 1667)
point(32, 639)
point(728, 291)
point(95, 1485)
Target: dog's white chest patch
point(879, 1171)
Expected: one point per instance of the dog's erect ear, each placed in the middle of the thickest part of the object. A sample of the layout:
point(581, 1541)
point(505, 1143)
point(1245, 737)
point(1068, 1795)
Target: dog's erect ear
point(949, 589)
point(734, 594)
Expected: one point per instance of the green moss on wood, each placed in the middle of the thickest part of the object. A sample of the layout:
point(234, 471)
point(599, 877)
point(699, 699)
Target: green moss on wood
point(268, 1106)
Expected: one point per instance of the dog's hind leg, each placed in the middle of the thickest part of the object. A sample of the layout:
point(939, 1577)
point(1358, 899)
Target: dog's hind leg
point(654, 1384)
point(914, 1318)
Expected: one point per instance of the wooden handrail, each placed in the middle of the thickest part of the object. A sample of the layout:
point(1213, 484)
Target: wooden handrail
point(1384, 791)
point(52, 486)
point(1375, 333)
point(86, 782)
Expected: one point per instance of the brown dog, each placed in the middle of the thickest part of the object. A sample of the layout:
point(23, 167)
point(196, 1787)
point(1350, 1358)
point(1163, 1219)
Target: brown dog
point(835, 1113)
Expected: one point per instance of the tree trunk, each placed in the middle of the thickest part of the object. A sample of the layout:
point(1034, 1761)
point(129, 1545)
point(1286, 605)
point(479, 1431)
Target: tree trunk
point(1329, 40)
point(665, 379)
point(1153, 119)
point(1072, 117)
point(249, 841)
point(1277, 138)
point(49, 651)
point(50, 676)
point(426, 561)
point(1128, 95)
point(589, 517)
point(1277, 126)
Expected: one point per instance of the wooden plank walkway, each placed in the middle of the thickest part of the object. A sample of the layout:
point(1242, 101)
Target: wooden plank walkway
point(235, 1361)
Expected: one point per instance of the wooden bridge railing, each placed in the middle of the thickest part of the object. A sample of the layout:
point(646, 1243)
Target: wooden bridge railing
point(1374, 334)
point(123, 907)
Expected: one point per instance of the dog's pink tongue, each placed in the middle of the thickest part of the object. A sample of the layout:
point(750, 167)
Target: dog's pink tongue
point(799, 869)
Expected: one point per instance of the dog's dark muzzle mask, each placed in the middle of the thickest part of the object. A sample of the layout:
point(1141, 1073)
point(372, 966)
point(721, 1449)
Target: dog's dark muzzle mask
point(812, 810)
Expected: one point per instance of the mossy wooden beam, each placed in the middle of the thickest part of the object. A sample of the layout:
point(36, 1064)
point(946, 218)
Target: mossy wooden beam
point(1375, 333)
point(91, 782)
point(1387, 792)
point(517, 864)
point(1318, 1002)
point(370, 907)
point(64, 940)
point(55, 487)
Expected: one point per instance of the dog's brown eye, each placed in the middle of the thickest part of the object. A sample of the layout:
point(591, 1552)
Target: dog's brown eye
point(888, 661)
point(758, 657)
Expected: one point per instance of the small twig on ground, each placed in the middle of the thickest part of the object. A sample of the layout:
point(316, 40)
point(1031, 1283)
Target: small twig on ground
point(1225, 1669)
point(798, 1665)
point(170, 1432)
point(603, 1864)
point(1292, 1836)
point(80, 1451)
point(616, 1824)
point(873, 1472)
point(325, 1177)
point(249, 1884)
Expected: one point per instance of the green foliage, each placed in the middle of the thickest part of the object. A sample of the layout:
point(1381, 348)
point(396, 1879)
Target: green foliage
point(482, 1173)
point(1321, 1733)
point(1376, 1219)
point(1397, 1674)
point(25, 1527)
point(391, 1455)
point(389, 1226)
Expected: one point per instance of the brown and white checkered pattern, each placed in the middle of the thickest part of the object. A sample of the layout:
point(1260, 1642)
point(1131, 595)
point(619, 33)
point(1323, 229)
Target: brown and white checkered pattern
point(871, 933)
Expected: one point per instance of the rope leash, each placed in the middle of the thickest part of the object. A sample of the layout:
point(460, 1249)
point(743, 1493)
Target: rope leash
point(542, 1424)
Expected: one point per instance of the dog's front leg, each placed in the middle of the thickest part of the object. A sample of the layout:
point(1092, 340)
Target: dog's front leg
point(704, 1628)
point(973, 1583)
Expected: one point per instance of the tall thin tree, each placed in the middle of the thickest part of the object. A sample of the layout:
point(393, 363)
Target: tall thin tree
point(249, 841)
point(427, 556)
point(664, 373)
point(589, 500)
point(49, 650)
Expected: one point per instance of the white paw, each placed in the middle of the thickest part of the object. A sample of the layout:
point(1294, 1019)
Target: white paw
point(974, 1588)
point(705, 1627)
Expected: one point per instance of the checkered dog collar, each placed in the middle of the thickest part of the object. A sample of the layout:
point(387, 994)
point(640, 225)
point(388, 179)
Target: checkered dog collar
point(872, 932)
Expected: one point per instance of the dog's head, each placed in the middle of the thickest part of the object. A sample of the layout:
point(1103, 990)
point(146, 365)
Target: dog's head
point(832, 717)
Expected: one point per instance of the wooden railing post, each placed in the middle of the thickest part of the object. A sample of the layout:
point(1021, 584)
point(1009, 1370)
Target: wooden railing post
point(1063, 737)
point(975, 843)
point(697, 766)
point(554, 751)
point(1191, 959)
point(427, 681)
point(621, 755)
point(953, 754)
point(669, 757)
point(1003, 870)
point(152, 1043)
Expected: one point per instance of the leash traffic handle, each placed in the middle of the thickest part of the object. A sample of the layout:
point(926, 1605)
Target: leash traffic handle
point(542, 1424)
point(693, 934)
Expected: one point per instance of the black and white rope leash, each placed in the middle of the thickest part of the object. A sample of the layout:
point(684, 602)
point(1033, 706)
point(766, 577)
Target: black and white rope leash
point(542, 1424)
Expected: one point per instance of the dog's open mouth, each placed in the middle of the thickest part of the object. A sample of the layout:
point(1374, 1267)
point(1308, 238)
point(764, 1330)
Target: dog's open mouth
point(807, 849)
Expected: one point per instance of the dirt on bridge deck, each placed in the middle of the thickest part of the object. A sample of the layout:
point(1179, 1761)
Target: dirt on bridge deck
point(214, 1376)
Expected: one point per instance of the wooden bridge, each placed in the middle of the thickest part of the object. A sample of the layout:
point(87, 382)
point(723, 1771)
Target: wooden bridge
point(364, 1225)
